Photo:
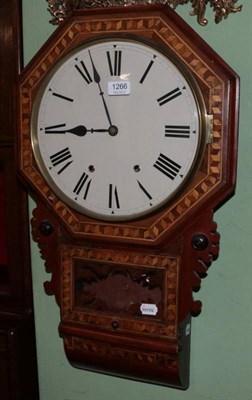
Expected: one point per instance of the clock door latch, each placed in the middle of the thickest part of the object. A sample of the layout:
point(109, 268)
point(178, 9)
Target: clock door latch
point(209, 128)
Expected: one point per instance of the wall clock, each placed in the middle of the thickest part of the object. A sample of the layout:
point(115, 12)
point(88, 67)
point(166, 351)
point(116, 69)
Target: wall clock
point(127, 141)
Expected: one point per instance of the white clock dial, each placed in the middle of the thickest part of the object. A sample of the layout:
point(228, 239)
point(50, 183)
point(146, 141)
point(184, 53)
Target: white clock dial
point(117, 128)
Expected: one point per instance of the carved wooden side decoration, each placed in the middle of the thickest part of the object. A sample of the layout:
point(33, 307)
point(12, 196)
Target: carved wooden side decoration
point(125, 289)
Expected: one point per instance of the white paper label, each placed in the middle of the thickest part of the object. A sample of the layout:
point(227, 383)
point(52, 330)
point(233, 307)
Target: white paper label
point(188, 329)
point(118, 88)
point(149, 309)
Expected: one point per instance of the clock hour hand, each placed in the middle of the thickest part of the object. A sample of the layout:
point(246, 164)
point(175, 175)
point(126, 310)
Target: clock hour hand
point(81, 130)
point(97, 80)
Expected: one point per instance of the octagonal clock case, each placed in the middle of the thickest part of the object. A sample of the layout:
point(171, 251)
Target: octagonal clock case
point(127, 140)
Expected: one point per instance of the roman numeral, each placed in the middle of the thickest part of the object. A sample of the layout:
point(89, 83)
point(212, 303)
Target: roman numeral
point(113, 197)
point(144, 190)
point(177, 131)
point(62, 97)
point(167, 166)
point(83, 71)
point(54, 129)
point(169, 96)
point(114, 62)
point(146, 71)
point(60, 157)
point(83, 183)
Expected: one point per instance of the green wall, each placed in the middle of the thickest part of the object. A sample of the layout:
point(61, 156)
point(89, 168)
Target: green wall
point(221, 350)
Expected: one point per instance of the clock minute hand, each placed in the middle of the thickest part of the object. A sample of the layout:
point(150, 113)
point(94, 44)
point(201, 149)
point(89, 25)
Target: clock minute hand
point(97, 80)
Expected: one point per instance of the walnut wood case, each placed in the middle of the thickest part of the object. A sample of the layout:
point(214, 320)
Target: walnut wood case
point(102, 272)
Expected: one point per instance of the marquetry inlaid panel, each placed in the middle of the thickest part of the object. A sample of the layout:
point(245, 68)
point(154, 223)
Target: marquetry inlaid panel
point(120, 352)
point(96, 284)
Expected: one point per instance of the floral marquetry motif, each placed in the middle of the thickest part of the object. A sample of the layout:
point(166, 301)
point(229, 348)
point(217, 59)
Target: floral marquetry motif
point(96, 284)
point(125, 286)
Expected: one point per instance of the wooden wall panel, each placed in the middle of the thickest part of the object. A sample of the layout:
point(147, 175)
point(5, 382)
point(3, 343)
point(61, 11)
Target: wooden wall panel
point(18, 367)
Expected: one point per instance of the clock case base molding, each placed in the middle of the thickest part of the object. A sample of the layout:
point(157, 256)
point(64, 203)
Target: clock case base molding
point(166, 364)
point(104, 273)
